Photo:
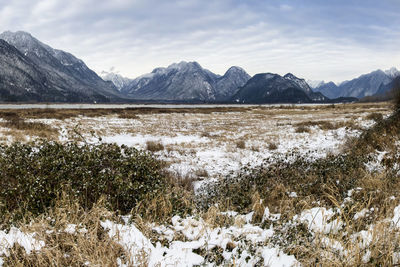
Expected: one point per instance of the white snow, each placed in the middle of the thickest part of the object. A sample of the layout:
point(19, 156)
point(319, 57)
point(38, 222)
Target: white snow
point(360, 214)
point(396, 217)
point(318, 219)
point(275, 257)
point(16, 236)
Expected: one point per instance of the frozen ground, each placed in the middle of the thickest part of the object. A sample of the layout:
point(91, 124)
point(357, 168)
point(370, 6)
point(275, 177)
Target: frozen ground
point(213, 144)
point(207, 146)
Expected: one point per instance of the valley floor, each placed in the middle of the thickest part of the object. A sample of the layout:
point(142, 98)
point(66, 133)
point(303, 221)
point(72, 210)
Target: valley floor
point(205, 146)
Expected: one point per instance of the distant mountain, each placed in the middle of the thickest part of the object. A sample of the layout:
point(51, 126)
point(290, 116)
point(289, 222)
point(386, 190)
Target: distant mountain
point(329, 89)
point(392, 73)
point(228, 84)
point(365, 85)
point(273, 88)
point(20, 79)
point(186, 81)
point(118, 80)
point(314, 84)
point(59, 76)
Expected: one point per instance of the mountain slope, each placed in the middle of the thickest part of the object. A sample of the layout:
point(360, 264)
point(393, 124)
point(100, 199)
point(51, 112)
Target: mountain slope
point(273, 88)
point(228, 84)
point(20, 79)
point(68, 77)
point(118, 80)
point(368, 84)
point(365, 85)
point(186, 81)
point(329, 89)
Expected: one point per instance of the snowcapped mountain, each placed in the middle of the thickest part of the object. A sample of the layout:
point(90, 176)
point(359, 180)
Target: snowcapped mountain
point(186, 81)
point(314, 84)
point(300, 82)
point(329, 89)
point(392, 72)
point(66, 77)
point(118, 80)
point(365, 85)
point(273, 88)
point(20, 79)
point(228, 84)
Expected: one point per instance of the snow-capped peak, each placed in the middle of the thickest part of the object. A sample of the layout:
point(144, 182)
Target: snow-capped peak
point(118, 80)
point(392, 72)
point(300, 82)
point(314, 84)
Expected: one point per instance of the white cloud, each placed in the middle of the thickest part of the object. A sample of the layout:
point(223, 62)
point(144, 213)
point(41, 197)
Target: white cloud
point(315, 41)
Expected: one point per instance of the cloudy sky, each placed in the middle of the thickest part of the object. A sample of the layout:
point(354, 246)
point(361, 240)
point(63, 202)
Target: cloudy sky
point(314, 39)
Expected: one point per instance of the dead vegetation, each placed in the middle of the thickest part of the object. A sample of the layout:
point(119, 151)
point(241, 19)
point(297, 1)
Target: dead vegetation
point(154, 146)
point(30, 128)
point(85, 243)
point(324, 183)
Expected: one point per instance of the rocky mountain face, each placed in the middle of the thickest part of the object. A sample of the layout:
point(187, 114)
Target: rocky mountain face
point(228, 84)
point(329, 89)
point(59, 76)
point(186, 81)
point(118, 80)
point(32, 71)
point(20, 79)
point(365, 85)
point(387, 89)
point(273, 88)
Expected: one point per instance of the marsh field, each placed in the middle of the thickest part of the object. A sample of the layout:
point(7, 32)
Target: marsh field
point(279, 185)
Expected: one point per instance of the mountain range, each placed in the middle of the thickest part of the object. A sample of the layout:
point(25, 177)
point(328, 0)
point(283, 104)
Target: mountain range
point(273, 88)
point(31, 71)
point(186, 81)
point(376, 82)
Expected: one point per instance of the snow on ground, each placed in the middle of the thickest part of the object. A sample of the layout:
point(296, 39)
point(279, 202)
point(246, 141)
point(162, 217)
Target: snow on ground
point(205, 145)
point(16, 236)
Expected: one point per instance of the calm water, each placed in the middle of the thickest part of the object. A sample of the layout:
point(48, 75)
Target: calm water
point(106, 106)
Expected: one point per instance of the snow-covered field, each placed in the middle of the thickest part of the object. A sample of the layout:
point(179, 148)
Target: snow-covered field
point(206, 146)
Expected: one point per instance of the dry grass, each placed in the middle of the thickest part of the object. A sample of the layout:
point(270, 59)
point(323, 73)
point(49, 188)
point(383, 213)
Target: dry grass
point(327, 187)
point(89, 245)
point(154, 146)
point(302, 129)
point(28, 128)
point(272, 146)
point(241, 144)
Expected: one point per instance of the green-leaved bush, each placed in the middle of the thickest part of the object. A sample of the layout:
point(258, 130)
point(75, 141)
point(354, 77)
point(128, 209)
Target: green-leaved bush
point(278, 176)
point(33, 175)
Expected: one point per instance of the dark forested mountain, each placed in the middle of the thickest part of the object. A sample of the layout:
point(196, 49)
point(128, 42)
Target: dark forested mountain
point(47, 74)
point(273, 88)
point(186, 81)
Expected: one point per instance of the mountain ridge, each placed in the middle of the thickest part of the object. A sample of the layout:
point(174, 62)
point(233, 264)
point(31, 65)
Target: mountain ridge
point(68, 79)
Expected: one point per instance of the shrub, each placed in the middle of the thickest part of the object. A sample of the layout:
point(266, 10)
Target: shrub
point(154, 146)
point(396, 90)
point(272, 146)
point(302, 129)
point(278, 176)
point(33, 175)
point(375, 116)
point(241, 144)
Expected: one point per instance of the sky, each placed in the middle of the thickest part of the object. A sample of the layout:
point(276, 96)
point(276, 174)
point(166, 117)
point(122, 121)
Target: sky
point(313, 39)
